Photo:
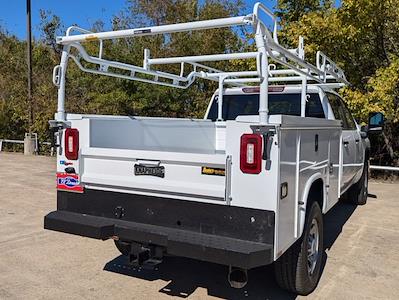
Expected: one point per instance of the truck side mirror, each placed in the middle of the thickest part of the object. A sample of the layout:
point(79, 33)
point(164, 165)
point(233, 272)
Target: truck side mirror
point(376, 122)
point(364, 131)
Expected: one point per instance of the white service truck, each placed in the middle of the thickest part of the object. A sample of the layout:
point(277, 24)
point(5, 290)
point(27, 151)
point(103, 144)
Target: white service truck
point(244, 187)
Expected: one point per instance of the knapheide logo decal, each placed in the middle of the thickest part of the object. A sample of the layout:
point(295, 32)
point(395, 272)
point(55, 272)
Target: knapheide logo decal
point(69, 182)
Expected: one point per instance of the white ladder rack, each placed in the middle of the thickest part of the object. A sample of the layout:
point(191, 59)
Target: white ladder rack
point(269, 54)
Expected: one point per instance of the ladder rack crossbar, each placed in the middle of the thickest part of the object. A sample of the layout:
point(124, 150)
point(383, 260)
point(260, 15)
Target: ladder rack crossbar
point(155, 30)
point(203, 58)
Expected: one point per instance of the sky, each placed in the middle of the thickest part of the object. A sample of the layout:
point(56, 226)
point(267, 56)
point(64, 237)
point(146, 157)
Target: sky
point(81, 12)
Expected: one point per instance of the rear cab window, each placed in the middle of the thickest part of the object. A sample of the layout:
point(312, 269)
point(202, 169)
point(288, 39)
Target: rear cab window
point(279, 104)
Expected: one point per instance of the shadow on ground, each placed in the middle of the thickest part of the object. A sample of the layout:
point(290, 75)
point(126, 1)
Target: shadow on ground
point(186, 275)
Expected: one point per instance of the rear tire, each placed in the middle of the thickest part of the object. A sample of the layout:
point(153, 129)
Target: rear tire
point(298, 270)
point(357, 194)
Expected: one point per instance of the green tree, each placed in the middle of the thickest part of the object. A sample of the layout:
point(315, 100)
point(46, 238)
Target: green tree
point(13, 110)
point(381, 95)
point(361, 36)
point(292, 10)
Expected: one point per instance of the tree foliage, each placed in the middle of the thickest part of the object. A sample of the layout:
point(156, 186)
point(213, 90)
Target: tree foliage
point(292, 10)
point(361, 36)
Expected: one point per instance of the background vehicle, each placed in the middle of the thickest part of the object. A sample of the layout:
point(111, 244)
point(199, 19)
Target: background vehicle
point(245, 187)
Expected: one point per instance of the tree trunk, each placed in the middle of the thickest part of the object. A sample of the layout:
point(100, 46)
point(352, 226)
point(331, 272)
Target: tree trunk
point(389, 146)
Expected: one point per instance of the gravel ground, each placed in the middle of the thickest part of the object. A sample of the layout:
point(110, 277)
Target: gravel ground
point(361, 258)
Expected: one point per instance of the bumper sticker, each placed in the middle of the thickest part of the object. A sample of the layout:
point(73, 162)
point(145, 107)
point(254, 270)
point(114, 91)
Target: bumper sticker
point(69, 182)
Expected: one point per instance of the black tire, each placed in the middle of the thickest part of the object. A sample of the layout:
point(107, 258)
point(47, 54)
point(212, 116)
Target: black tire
point(123, 247)
point(292, 269)
point(357, 194)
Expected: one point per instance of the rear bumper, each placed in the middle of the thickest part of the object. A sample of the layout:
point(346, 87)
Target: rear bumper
point(216, 233)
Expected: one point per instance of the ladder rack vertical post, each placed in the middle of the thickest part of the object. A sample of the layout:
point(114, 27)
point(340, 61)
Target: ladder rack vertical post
point(301, 55)
point(304, 96)
point(220, 99)
point(147, 56)
point(264, 66)
point(61, 88)
point(100, 52)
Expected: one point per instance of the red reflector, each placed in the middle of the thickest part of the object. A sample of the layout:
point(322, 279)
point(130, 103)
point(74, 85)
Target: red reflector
point(69, 182)
point(256, 89)
point(71, 143)
point(251, 153)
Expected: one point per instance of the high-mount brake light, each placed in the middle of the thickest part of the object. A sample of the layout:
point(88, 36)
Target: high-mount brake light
point(251, 90)
point(251, 154)
point(272, 89)
point(71, 143)
point(276, 89)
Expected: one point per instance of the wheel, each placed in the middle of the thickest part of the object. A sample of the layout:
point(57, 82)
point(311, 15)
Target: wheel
point(298, 270)
point(123, 247)
point(357, 194)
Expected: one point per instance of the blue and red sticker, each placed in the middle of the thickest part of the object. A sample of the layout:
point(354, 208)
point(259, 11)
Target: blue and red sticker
point(65, 163)
point(69, 182)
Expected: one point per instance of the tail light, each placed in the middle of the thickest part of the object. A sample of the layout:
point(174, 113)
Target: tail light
point(251, 154)
point(71, 143)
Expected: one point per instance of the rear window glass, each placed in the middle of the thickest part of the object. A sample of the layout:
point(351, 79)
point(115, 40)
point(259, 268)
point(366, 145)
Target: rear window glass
point(279, 104)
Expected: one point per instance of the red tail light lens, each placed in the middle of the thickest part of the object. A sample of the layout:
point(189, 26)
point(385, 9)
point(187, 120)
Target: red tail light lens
point(71, 143)
point(251, 153)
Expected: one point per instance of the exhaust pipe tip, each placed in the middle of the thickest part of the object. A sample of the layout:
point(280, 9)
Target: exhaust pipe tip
point(237, 277)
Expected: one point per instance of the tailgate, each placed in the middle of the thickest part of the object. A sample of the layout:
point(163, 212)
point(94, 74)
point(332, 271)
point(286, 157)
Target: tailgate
point(184, 173)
